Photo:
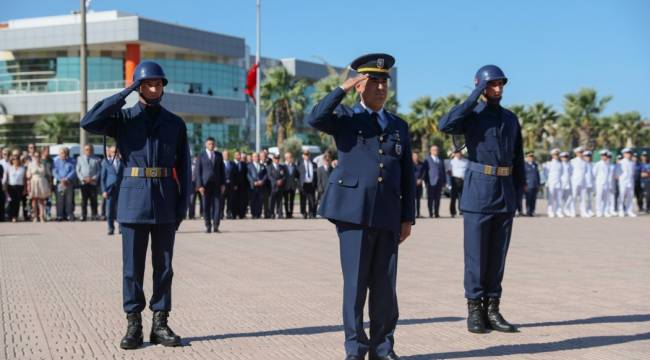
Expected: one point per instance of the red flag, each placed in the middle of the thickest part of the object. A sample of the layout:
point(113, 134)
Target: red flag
point(251, 81)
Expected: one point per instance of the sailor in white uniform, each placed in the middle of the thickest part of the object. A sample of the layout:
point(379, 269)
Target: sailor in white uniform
point(603, 182)
point(567, 171)
point(553, 175)
point(625, 173)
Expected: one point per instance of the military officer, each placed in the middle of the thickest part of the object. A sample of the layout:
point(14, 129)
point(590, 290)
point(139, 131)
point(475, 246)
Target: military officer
point(371, 200)
point(625, 172)
point(495, 174)
point(532, 183)
point(578, 183)
point(152, 143)
point(603, 181)
point(589, 183)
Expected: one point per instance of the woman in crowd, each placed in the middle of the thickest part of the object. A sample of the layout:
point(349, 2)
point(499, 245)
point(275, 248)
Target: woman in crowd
point(39, 186)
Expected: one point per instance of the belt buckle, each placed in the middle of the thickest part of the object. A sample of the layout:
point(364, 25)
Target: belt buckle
point(503, 171)
point(487, 169)
point(152, 172)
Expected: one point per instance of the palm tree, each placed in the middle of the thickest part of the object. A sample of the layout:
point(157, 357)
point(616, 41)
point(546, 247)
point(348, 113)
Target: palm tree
point(54, 127)
point(626, 128)
point(581, 111)
point(283, 100)
point(422, 120)
point(543, 120)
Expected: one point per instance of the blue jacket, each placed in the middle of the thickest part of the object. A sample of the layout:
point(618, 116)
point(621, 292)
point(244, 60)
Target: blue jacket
point(254, 175)
point(532, 175)
point(64, 169)
point(144, 141)
point(210, 173)
point(434, 174)
point(110, 178)
point(374, 183)
point(493, 137)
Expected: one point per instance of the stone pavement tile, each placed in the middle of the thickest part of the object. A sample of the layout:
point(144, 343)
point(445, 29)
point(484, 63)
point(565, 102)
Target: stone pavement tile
point(265, 289)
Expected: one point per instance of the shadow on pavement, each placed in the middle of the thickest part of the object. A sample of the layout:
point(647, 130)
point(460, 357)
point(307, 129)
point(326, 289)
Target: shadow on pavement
point(311, 330)
point(535, 348)
point(593, 320)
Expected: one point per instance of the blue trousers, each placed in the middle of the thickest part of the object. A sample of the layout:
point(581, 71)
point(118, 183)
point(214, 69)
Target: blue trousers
point(531, 200)
point(369, 264)
point(135, 238)
point(111, 210)
point(212, 206)
point(486, 241)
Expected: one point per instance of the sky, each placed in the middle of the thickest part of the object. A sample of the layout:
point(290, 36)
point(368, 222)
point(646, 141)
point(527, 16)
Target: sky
point(546, 48)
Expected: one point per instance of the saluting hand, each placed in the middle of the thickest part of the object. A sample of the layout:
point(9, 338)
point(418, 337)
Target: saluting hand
point(351, 82)
point(129, 89)
point(404, 232)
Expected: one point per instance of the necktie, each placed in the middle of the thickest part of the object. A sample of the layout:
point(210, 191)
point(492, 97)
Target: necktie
point(375, 121)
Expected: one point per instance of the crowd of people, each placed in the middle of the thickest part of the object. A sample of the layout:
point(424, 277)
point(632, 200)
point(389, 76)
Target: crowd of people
point(263, 185)
point(575, 186)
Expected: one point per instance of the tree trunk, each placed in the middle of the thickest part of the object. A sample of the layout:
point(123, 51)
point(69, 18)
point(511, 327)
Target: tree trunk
point(424, 139)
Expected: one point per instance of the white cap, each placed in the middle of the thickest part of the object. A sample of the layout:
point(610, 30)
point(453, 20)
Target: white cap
point(604, 152)
point(564, 154)
point(626, 150)
point(579, 149)
point(555, 151)
point(587, 153)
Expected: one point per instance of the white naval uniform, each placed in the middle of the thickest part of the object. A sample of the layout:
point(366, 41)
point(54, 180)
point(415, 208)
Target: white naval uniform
point(553, 175)
point(567, 197)
point(578, 186)
point(625, 172)
point(589, 188)
point(603, 182)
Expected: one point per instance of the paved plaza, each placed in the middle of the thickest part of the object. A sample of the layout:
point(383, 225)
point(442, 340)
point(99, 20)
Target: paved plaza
point(271, 289)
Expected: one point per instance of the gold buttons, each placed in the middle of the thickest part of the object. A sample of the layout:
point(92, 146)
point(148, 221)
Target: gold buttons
point(381, 165)
point(381, 151)
point(381, 138)
point(380, 179)
point(340, 181)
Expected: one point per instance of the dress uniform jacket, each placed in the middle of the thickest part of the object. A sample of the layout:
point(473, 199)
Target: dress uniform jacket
point(493, 137)
point(374, 183)
point(144, 142)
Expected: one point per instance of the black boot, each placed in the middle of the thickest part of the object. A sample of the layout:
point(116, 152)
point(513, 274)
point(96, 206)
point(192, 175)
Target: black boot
point(160, 332)
point(494, 318)
point(133, 337)
point(475, 316)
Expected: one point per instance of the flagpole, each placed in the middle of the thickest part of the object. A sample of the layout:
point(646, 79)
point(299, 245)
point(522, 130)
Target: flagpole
point(257, 83)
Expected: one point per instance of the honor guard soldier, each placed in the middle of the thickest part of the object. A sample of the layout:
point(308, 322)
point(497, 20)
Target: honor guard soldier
point(152, 143)
point(371, 200)
point(495, 174)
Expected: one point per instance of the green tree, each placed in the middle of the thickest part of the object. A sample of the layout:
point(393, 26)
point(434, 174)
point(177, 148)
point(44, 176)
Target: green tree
point(283, 100)
point(423, 120)
point(581, 113)
point(54, 127)
point(292, 145)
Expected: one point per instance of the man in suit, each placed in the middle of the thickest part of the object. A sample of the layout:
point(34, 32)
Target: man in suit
point(322, 177)
point(293, 178)
point(241, 185)
point(111, 177)
point(277, 179)
point(418, 167)
point(308, 181)
point(532, 183)
point(370, 197)
point(257, 178)
point(266, 188)
point(211, 178)
point(195, 192)
point(435, 177)
point(228, 203)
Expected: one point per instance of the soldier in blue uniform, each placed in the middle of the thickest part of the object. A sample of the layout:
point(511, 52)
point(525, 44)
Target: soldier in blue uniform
point(532, 183)
point(152, 143)
point(371, 200)
point(495, 173)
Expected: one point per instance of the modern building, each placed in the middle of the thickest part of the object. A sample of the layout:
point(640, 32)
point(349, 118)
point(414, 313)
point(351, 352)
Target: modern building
point(40, 72)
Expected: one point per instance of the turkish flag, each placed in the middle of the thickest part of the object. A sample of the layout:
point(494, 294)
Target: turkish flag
point(251, 81)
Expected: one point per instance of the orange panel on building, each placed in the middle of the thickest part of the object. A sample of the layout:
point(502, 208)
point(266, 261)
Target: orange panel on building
point(131, 60)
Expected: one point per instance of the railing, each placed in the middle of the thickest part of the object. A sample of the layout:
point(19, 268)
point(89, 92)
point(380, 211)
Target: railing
point(10, 87)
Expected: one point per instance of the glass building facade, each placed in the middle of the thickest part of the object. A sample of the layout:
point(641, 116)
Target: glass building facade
point(62, 74)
